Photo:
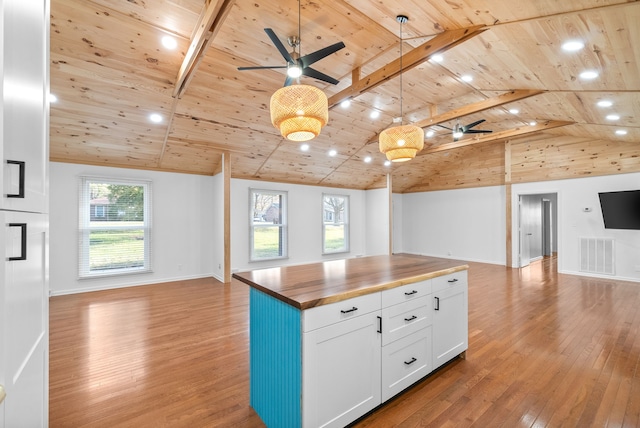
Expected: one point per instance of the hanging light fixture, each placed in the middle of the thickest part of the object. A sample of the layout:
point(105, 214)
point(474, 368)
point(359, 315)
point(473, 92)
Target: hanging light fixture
point(401, 143)
point(299, 111)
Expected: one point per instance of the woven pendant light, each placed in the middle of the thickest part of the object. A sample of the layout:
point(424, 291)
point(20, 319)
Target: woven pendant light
point(299, 111)
point(401, 143)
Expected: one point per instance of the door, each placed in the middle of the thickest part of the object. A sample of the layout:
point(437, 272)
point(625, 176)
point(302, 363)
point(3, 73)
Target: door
point(24, 320)
point(524, 227)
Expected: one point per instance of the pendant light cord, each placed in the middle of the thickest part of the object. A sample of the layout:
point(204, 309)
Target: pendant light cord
point(400, 20)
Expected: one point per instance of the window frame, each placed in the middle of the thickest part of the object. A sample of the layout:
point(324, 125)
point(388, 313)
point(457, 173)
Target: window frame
point(345, 223)
point(283, 224)
point(85, 227)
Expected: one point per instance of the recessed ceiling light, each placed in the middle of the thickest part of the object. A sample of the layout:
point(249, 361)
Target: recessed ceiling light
point(374, 114)
point(514, 111)
point(430, 133)
point(533, 123)
point(467, 78)
point(155, 118)
point(345, 103)
point(387, 163)
point(333, 152)
point(621, 132)
point(169, 42)
point(367, 159)
point(589, 74)
point(605, 103)
point(437, 58)
point(53, 99)
point(613, 117)
point(304, 147)
point(572, 45)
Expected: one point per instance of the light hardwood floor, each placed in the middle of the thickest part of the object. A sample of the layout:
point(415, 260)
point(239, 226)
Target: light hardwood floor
point(545, 350)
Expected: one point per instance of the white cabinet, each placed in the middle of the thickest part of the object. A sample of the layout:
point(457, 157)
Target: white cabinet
point(24, 121)
point(341, 371)
point(450, 320)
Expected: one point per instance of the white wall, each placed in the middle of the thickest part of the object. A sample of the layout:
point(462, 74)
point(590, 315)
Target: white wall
point(217, 223)
point(573, 222)
point(377, 222)
point(398, 242)
point(463, 224)
point(182, 224)
point(304, 227)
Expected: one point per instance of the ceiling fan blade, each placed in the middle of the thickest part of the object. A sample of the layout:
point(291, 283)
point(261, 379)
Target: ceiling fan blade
point(288, 80)
point(442, 126)
point(278, 44)
point(261, 67)
point(310, 72)
point(471, 125)
point(477, 131)
point(309, 59)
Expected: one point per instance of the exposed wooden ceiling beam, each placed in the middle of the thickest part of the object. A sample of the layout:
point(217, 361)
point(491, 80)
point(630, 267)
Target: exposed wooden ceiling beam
point(411, 59)
point(483, 105)
point(208, 26)
point(498, 136)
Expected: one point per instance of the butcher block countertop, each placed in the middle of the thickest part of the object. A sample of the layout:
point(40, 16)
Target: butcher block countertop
point(316, 284)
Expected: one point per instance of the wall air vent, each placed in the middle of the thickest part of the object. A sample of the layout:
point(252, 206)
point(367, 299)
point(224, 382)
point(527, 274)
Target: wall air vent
point(597, 255)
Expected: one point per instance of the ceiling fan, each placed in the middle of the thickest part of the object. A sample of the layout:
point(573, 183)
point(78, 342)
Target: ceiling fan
point(459, 130)
point(299, 65)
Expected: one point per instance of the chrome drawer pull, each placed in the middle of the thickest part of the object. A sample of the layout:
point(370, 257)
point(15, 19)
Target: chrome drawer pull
point(410, 292)
point(411, 361)
point(349, 310)
point(411, 318)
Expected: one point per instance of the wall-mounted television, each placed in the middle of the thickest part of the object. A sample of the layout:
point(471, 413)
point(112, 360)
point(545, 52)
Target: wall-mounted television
point(621, 210)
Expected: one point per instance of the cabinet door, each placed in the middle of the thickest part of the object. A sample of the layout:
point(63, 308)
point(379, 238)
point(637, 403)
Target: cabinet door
point(24, 319)
point(25, 110)
point(450, 325)
point(341, 371)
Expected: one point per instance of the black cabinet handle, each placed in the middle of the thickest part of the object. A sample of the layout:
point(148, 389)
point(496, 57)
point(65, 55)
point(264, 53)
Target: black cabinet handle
point(410, 292)
point(379, 324)
point(411, 361)
point(410, 318)
point(23, 243)
point(453, 280)
point(349, 310)
point(437, 303)
point(20, 193)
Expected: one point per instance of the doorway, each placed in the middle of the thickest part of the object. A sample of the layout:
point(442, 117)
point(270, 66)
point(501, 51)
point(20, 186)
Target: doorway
point(537, 230)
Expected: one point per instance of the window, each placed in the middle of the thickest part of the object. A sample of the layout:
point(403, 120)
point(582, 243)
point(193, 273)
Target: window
point(335, 224)
point(268, 223)
point(115, 227)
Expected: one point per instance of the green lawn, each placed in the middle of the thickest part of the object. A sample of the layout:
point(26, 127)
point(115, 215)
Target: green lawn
point(115, 249)
point(267, 240)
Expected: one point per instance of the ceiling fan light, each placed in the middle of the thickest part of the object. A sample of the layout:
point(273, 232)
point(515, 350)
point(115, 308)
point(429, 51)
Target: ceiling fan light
point(286, 105)
point(294, 71)
point(457, 134)
point(391, 138)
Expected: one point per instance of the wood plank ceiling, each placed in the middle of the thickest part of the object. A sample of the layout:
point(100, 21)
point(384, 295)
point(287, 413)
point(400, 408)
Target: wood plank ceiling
point(110, 71)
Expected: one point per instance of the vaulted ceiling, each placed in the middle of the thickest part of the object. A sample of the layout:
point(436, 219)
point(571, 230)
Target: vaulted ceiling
point(110, 72)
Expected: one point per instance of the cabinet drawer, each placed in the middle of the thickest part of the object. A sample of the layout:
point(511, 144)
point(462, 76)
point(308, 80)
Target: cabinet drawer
point(324, 315)
point(401, 320)
point(447, 281)
point(406, 293)
point(405, 361)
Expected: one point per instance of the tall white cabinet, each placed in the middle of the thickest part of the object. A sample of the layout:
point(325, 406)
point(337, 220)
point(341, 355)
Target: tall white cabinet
point(24, 287)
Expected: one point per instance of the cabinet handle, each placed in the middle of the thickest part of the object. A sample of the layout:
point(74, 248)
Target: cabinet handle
point(23, 243)
point(437, 303)
point(411, 318)
point(411, 361)
point(453, 280)
point(410, 292)
point(349, 310)
point(379, 324)
point(20, 193)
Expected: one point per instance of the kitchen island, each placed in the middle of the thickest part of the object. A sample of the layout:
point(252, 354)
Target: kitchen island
point(331, 341)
